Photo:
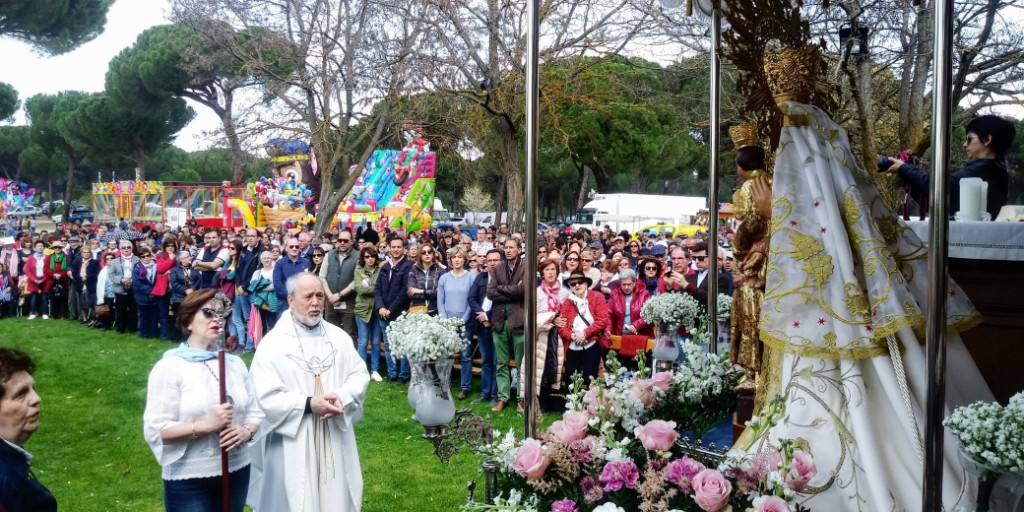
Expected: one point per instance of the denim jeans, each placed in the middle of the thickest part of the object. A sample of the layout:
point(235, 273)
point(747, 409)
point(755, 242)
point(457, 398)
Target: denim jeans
point(396, 369)
point(204, 494)
point(39, 303)
point(148, 321)
point(163, 310)
point(369, 332)
point(240, 320)
point(488, 380)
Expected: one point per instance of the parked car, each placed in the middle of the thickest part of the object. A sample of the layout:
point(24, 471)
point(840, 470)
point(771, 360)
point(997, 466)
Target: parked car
point(24, 211)
point(80, 215)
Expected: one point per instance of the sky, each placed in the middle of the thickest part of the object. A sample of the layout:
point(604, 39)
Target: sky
point(84, 68)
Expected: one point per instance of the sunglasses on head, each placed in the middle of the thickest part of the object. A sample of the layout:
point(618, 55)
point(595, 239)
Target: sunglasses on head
point(211, 313)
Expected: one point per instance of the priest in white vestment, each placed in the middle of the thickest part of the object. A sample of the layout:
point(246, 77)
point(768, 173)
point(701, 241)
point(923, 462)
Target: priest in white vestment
point(311, 384)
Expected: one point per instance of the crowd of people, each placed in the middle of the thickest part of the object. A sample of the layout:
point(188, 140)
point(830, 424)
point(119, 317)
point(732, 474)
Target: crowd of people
point(115, 277)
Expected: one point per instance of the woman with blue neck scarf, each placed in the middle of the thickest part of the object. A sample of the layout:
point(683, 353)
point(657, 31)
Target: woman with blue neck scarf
point(185, 424)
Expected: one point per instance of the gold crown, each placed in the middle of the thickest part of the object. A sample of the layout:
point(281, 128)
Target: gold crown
point(743, 134)
point(792, 72)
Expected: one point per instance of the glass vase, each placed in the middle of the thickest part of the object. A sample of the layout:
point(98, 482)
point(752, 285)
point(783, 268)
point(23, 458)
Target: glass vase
point(666, 346)
point(997, 489)
point(434, 404)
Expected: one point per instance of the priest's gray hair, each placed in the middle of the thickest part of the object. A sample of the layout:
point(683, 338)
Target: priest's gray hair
point(293, 281)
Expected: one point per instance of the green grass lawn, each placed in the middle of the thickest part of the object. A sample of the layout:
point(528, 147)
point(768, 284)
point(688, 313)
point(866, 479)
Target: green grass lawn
point(90, 452)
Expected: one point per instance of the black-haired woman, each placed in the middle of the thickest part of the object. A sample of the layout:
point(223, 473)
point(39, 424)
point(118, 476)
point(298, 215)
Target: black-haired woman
point(989, 137)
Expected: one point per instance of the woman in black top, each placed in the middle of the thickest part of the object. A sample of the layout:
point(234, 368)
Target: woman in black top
point(988, 139)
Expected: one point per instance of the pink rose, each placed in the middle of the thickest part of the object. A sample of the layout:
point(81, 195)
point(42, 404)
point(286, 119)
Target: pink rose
point(770, 504)
point(801, 470)
point(660, 380)
point(657, 435)
point(643, 392)
point(572, 427)
point(711, 490)
point(531, 459)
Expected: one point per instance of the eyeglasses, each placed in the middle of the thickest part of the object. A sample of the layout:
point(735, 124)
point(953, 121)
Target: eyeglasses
point(572, 259)
point(650, 267)
point(344, 240)
point(318, 255)
point(587, 260)
point(577, 283)
point(145, 256)
point(293, 247)
point(369, 257)
point(699, 258)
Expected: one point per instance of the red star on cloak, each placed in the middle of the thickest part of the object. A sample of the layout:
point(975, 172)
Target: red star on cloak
point(796, 324)
point(821, 321)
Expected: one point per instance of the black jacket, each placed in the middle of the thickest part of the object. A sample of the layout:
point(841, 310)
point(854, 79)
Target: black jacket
point(391, 291)
point(992, 171)
point(92, 272)
point(19, 489)
point(477, 294)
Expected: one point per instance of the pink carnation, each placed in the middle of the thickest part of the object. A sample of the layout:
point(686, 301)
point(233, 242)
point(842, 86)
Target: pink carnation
point(657, 435)
point(591, 489)
point(801, 470)
point(564, 506)
point(572, 427)
point(765, 462)
point(711, 490)
point(619, 474)
point(593, 402)
point(583, 450)
point(531, 459)
point(680, 473)
point(770, 504)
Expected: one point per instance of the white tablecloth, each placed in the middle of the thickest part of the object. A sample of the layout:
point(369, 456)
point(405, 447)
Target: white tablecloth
point(980, 240)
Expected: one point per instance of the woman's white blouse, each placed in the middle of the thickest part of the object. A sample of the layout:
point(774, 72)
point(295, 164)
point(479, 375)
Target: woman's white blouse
point(184, 391)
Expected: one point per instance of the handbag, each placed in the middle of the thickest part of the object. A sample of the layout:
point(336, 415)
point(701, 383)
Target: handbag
point(101, 310)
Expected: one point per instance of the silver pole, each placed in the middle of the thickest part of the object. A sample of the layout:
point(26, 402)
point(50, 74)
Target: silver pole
point(715, 130)
point(938, 229)
point(529, 277)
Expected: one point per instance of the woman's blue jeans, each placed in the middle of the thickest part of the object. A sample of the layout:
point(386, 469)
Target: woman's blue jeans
point(39, 303)
point(204, 494)
point(240, 320)
point(369, 332)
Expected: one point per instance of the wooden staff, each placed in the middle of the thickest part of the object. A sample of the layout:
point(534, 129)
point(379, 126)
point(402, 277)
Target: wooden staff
point(225, 485)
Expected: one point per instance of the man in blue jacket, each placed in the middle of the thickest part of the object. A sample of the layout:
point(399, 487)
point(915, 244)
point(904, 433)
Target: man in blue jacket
point(390, 299)
point(287, 267)
point(19, 419)
point(480, 325)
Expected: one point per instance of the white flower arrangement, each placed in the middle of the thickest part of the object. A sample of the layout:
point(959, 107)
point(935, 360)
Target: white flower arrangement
point(672, 309)
point(515, 502)
point(421, 337)
point(724, 306)
point(991, 434)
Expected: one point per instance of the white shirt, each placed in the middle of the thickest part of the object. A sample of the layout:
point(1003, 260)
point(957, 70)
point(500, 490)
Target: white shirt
point(185, 391)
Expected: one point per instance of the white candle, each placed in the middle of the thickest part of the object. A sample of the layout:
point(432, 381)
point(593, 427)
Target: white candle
point(984, 199)
point(970, 199)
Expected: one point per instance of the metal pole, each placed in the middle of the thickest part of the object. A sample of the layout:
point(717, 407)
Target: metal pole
point(715, 130)
point(529, 277)
point(938, 229)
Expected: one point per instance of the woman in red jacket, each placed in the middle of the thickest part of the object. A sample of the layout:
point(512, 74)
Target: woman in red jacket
point(40, 280)
point(586, 329)
point(626, 320)
point(166, 259)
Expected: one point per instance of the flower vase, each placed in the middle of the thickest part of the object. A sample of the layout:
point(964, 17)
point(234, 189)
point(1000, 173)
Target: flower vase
point(666, 346)
point(434, 404)
point(997, 489)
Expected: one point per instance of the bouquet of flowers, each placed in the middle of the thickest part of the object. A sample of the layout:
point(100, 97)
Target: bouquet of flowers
point(724, 307)
point(701, 392)
point(671, 309)
point(580, 464)
point(991, 434)
point(421, 337)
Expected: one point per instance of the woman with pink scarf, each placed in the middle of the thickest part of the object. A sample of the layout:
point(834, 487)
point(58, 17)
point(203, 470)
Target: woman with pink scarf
point(548, 377)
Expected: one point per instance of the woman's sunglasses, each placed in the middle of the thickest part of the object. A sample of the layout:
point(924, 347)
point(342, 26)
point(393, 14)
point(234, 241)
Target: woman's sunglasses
point(212, 314)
